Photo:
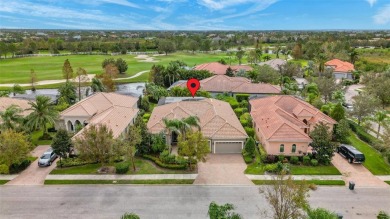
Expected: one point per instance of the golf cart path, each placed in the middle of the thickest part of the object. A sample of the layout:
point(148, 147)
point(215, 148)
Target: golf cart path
point(48, 82)
point(34, 175)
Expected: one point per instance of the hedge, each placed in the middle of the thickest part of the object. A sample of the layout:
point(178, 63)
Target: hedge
point(122, 168)
point(161, 164)
point(72, 162)
point(4, 169)
point(241, 97)
point(17, 168)
point(249, 131)
point(238, 111)
point(361, 133)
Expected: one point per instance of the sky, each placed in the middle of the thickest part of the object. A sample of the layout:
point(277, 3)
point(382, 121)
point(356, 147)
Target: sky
point(195, 14)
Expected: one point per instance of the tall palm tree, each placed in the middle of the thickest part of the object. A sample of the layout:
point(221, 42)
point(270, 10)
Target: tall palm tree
point(321, 59)
point(43, 113)
point(11, 118)
point(381, 118)
point(353, 55)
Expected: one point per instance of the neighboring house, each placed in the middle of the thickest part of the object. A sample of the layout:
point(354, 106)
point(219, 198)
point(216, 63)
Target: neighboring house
point(6, 102)
point(116, 111)
point(274, 63)
point(341, 69)
point(218, 84)
point(220, 69)
point(283, 124)
point(218, 123)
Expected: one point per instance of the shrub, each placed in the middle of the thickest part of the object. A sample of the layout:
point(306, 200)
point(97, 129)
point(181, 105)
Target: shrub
point(314, 162)
point(244, 104)
point(244, 110)
point(71, 162)
point(164, 165)
point(17, 168)
point(306, 160)
point(242, 97)
point(321, 213)
point(122, 168)
point(4, 169)
point(249, 131)
point(361, 133)
point(167, 158)
point(45, 136)
point(181, 160)
point(388, 157)
point(294, 160)
point(234, 104)
point(244, 122)
point(238, 111)
point(280, 158)
point(313, 186)
point(250, 146)
point(271, 168)
point(271, 159)
point(146, 116)
point(248, 158)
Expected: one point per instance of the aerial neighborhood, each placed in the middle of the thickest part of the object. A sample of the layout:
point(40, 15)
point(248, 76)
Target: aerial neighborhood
point(117, 108)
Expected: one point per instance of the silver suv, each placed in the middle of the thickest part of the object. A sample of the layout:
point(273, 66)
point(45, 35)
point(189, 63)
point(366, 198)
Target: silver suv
point(47, 158)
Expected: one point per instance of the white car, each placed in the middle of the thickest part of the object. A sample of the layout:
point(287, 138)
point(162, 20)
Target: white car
point(47, 158)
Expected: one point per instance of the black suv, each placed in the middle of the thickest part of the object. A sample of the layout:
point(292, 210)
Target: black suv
point(351, 153)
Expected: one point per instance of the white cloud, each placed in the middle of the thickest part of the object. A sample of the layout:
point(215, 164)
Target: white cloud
point(371, 2)
point(159, 9)
point(119, 2)
point(172, 1)
point(383, 15)
point(221, 4)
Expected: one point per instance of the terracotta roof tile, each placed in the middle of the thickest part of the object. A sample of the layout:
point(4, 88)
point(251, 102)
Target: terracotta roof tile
point(220, 69)
point(340, 66)
point(6, 102)
point(217, 119)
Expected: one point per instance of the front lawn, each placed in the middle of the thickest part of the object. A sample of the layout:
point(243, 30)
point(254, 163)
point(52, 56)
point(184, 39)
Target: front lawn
point(2, 182)
point(313, 170)
point(374, 162)
point(255, 168)
point(35, 138)
point(142, 166)
point(317, 182)
point(161, 181)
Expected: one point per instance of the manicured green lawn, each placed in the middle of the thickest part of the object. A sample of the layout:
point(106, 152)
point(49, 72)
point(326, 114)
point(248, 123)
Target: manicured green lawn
point(162, 181)
point(35, 138)
point(374, 162)
point(317, 182)
point(50, 68)
point(311, 170)
point(142, 166)
point(388, 182)
point(255, 168)
point(2, 182)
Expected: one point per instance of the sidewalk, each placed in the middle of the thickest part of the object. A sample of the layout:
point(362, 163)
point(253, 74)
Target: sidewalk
point(297, 177)
point(8, 177)
point(384, 178)
point(121, 177)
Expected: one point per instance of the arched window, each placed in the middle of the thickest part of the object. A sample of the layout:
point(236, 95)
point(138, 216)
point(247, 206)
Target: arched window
point(70, 126)
point(293, 148)
point(281, 149)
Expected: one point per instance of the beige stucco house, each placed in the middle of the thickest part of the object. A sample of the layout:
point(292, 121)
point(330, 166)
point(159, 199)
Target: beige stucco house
point(217, 122)
point(116, 111)
point(24, 105)
point(283, 124)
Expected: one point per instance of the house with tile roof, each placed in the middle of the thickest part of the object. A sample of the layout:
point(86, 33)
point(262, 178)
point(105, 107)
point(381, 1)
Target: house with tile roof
point(341, 69)
point(116, 111)
point(218, 123)
point(283, 124)
point(274, 63)
point(220, 69)
point(218, 84)
point(6, 102)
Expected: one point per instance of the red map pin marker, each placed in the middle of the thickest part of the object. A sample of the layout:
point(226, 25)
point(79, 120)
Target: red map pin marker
point(193, 85)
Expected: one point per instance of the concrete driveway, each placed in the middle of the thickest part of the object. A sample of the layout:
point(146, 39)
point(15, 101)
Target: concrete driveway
point(222, 169)
point(357, 173)
point(34, 175)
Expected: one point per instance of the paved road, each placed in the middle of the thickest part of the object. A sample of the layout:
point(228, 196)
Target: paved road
point(357, 173)
point(160, 202)
point(222, 169)
point(34, 175)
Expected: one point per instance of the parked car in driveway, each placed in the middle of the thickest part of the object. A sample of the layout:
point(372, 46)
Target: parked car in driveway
point(350, 153)
point(47, 158)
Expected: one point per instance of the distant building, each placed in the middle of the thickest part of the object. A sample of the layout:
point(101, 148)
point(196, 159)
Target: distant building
point(220, 69)
point(274, 63)
point(6, 102)
point(341, 69)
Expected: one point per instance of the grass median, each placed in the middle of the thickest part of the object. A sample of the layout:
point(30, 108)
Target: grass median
point(161, 181)
point(2, 182)
point(317, 182)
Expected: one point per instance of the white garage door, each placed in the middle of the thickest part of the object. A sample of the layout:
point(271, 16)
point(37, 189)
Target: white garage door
point(228, 147)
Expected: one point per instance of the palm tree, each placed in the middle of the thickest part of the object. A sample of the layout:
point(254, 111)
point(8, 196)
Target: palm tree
point(97, 85)
point(381, 118)
point(353, 55)
point(321, 59)
point(11, 117)
point(181, 127)
point(43, 113)
point(267, 58)
point(277, 51)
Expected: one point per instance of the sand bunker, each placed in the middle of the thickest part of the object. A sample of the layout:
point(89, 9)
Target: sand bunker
point(145, 58)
